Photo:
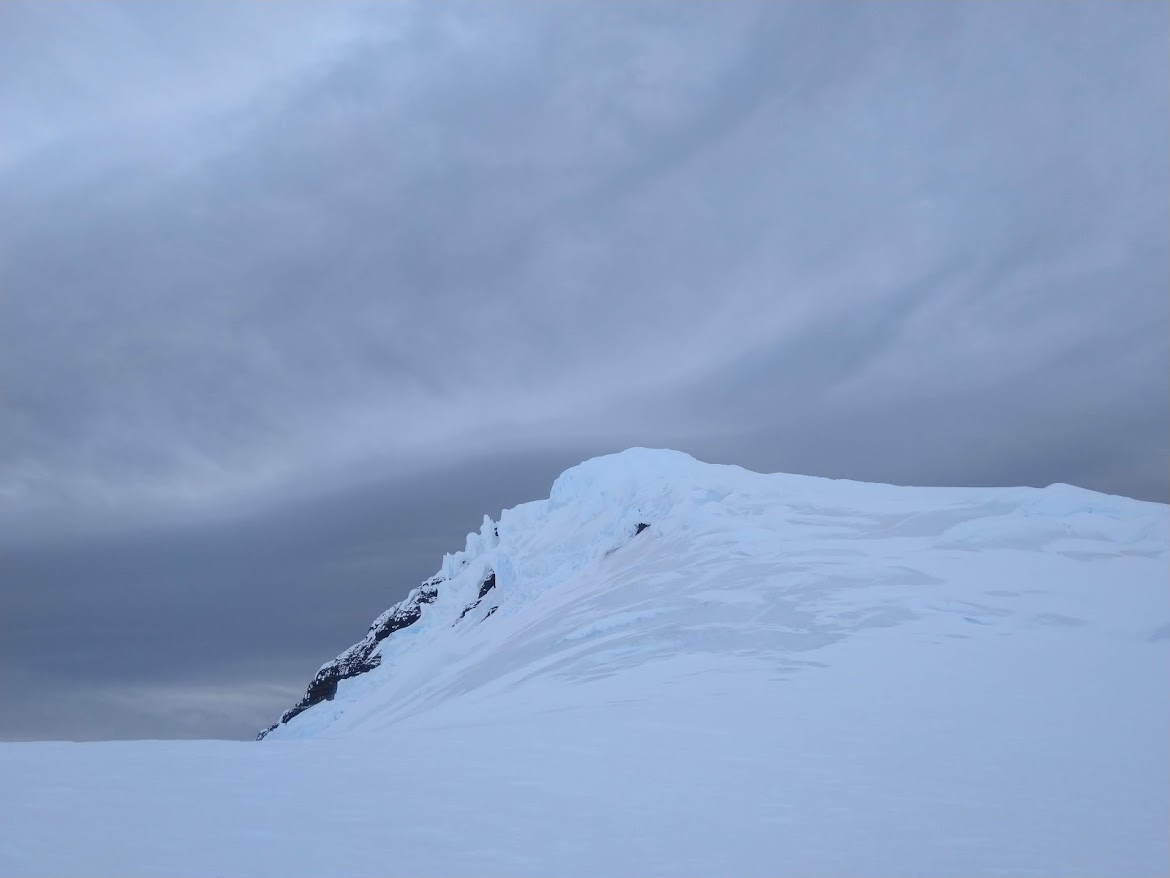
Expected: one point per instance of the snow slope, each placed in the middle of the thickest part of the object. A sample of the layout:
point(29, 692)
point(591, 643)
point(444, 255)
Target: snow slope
point(779, 675)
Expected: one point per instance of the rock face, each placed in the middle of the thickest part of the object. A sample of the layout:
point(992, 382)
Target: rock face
point(488, 584)
point(361, 657)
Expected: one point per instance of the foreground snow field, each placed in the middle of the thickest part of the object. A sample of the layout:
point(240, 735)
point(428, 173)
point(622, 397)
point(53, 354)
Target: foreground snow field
point(779, 675)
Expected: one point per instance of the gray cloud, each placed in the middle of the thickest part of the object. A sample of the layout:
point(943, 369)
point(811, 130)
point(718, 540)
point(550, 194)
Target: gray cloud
point(255, 258)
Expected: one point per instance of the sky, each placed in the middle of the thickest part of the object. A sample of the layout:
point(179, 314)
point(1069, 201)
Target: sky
point(292, 294)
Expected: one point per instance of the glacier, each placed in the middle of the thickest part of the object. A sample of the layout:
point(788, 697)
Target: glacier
point(673, 667)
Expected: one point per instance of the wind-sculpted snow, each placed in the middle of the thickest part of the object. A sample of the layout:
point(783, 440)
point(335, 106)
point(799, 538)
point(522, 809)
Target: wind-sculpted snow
point(670, 667)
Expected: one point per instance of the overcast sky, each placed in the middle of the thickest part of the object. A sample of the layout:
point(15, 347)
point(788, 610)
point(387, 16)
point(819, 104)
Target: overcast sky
point(292, 294)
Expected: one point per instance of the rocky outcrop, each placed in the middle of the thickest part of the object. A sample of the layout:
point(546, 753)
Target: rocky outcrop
point(484, 587)
point(362, 657)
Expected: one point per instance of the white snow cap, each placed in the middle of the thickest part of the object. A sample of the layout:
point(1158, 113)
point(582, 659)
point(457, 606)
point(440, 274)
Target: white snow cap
point(578, 569)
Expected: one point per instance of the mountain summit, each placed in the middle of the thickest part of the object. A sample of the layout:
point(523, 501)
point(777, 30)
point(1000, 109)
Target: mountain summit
point(651, 583)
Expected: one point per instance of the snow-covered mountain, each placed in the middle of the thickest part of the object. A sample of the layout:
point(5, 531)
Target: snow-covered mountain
point(672, 667)
point(653, 576)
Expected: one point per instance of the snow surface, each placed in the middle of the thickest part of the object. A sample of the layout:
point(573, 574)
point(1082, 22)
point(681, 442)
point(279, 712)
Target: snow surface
point(782, 675)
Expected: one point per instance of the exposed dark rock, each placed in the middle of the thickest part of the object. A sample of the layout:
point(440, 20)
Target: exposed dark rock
point(489, 612)
point(641, 527)
point(360, 657)
point(487, 585)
